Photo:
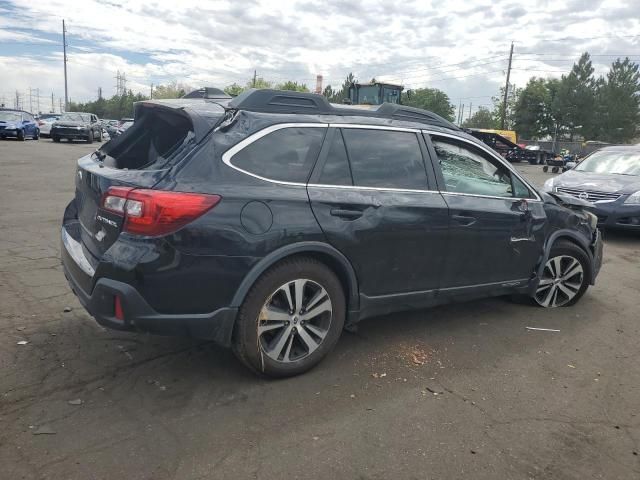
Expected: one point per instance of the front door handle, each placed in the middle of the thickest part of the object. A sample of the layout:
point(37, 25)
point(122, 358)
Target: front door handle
point(345, 213)
point(463, 220)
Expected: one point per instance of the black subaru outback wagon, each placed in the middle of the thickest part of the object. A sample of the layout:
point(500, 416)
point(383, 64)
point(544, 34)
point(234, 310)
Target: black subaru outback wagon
point(272, 221)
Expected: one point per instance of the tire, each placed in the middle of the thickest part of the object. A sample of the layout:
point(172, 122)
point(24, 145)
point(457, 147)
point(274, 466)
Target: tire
point(554, 170)
point(37, 135)
point(21, 135)
point(563, 257)
point(90, 137)
point(100, 136)
point(56, 139)
point(545, 168)
point(293, 344)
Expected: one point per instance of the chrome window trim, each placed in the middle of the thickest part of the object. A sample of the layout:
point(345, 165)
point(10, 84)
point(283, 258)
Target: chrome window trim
point(374, 127)
point(495, 156)
point(377, 189)
point(408, 190)
point(463, 194)
point(228, 155)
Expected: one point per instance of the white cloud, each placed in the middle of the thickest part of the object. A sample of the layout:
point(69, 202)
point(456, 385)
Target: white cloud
point(459, 46)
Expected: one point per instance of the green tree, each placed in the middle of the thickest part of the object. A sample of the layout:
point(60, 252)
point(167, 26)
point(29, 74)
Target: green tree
point(576, 98)
point(483, 118)
point(337, 96)
point(532, 119)
point(512, 101)
point(430, 99)
point(171, 90)
point(293, 86)
point(259, 83)
point(234, 89)
point(329, 92)
point(619, 98)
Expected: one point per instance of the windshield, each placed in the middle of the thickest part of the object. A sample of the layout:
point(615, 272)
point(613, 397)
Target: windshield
point(75, 117)
point(10, 117)
point(622, 162)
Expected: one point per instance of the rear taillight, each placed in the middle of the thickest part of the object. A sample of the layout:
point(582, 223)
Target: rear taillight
point(156, 212)
point(40, 123)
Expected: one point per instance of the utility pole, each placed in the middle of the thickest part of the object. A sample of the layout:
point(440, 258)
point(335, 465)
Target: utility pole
point(461, 115)
point(38, 100)
point(64, 48)
point(99, 93)
point(151, 92)
point(60, 102)
point(254, 79)
point(506, 91)
point(30, 101)
point(459, 108)
point(53, 104)
point(470, 104)
point(17, 100)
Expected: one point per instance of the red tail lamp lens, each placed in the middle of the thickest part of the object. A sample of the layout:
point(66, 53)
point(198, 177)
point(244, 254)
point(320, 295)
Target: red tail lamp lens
point(156, 212)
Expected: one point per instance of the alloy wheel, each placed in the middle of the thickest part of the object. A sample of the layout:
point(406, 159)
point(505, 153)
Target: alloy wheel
point(294, 320)
point(561, 281)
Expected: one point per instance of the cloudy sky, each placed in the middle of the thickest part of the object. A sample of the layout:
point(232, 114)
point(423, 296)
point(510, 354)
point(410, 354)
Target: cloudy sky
point(459, 46)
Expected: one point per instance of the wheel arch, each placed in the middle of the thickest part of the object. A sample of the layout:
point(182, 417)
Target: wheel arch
point(570, 236)
point(327, 254)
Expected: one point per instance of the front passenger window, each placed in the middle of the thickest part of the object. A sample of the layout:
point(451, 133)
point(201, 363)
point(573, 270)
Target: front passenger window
point(466, 171)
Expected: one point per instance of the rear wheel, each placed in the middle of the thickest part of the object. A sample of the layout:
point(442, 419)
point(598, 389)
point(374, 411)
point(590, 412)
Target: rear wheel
point(100, 135)
point(90, 137)
point(565, 276)
point(56, 139)
point(36, 135)
point(291, 318)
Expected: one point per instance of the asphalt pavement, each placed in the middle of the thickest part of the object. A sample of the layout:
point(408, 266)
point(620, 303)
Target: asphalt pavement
point(459, 391)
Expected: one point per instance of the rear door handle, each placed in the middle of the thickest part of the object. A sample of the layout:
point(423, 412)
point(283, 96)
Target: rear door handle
point(463, 220)
point(344, 213)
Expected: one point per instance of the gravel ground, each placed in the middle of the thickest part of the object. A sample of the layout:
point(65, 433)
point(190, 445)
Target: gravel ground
point(460, 391)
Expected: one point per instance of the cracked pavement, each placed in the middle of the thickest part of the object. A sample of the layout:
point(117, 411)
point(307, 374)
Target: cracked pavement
point(452, 392)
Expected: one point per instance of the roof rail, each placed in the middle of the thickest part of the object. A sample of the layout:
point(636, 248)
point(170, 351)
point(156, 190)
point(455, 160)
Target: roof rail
point(284, 101)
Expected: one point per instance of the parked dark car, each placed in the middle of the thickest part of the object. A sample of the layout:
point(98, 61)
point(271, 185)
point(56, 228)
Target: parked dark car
point(111, 127)
point(18, 124)
point(77, 126)
point(271, 221)
point(610, 179)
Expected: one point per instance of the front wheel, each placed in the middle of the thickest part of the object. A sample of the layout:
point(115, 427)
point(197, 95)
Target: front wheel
point(565, 276)
point(21, 135)
point(56, 138)
point(36, 136)
point(291, 318)
point(90, 137)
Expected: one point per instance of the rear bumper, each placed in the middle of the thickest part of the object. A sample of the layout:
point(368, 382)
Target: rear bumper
point(70, 134)
point(99, 300)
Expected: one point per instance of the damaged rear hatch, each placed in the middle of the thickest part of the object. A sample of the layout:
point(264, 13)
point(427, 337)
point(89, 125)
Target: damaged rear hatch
point(163, 135)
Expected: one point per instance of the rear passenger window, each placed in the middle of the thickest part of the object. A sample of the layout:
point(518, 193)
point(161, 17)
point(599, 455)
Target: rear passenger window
point(385, 159)
point(286, 155)
point(336, 168)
